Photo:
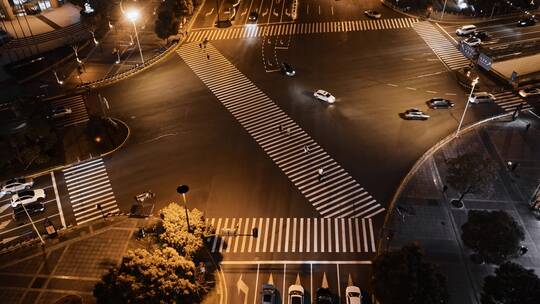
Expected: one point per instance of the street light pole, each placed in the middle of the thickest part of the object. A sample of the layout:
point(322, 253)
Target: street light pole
point(183, 189)
point(475, 81)
point(443, 9)
point(33, 225)
point(132, 16)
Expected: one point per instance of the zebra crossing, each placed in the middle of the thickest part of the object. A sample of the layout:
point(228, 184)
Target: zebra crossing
point(88, 186)
point(444, 49)
point(251, 31)
point(509, 101)
point(333, 194)
point(78, 113)
point(292, 235)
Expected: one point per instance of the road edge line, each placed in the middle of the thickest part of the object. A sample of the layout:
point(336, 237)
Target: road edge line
point(58, 203)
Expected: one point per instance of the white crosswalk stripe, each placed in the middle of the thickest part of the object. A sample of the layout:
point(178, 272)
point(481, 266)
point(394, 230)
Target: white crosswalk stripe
point(509, 101)
point(88, 185)
point(250, 31)
point(77, 105)
point(441, 46)
point(336, 193)
point(299, 235)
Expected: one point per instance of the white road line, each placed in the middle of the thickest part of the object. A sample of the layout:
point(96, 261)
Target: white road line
point(301, 245)
point(259, 238)
point(246, 229)
point(58, 203)
point(253, 224)
point(279, 237)
point(315, 239)
point(294, 236)
point(371, 235)
point(221, 243)
point(296, 262)
point(273, 234)
point(287, 235)
point(365, 237)
point(238, 240)
point(267, 225)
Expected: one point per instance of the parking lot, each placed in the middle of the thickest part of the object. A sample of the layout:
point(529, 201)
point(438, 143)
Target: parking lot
point(244, 279)
point(14, 231)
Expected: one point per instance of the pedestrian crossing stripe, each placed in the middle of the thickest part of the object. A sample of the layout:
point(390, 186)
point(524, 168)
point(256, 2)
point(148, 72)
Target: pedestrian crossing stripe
point(447, 52)
point(252, 31)
point(77, 105)
point(292, 235)
point(333, 194)
point(88, 186)
point(509, 101)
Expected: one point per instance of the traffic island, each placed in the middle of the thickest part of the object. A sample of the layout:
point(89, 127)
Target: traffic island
point(428, 209)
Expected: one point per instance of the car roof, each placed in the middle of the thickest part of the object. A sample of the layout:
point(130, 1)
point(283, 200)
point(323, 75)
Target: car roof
point(468, 26)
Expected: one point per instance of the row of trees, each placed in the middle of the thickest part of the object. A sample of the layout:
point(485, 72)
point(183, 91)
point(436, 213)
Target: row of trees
point(166, 273)
point(404, 277)
point(170, 14)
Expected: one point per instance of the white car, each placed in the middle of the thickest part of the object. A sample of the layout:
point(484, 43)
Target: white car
point(16, 184)
point(324, 96)
point(479, 97)
point(466, 30)
point(373, 14)
point(27, 197)
point(529, 92)
point(472, 41)
point(296, 294)
point(60, 111)
point(353, 295)
point(414, 114)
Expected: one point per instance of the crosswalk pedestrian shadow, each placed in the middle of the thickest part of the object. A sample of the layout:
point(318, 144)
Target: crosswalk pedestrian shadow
point(292, 235)
point(300, 28)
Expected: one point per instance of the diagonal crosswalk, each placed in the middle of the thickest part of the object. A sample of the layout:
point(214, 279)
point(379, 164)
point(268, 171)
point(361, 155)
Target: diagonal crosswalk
point(78, 107)
point(250, 31)
point(444, 49)
point(333, 194)
point(509, 101)
point(290, 235)
point(88, 185)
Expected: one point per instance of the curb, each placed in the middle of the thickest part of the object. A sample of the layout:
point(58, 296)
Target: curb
point(140, 68)
point(60, 167)
point(125, 139)
point(429, 153)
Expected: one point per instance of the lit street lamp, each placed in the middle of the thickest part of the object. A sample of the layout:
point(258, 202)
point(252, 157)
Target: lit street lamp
point(474, 82)
point(60, 82)
point(183, 189)
point(133, 15)
point(94, 37)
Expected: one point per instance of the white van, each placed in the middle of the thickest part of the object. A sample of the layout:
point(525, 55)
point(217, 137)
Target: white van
point(466, 30)
point(479, 97)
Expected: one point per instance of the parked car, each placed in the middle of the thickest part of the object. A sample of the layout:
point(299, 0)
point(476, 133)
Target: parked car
point(527, 21)
point(481, 35)
point(529, 92)
point(253, 16)
point(324, 296)
point(324, 96)
point(478, 97)
point(60, 111)
point(373, 14)
point(31, 208)
point(440, 103)
point(466, 30)
point(472, 41)
point(415, 114)
point(16, 184)
point(296, 294)
point(268, 294)
point(353, 295)
point(27, 197)
point(287, 69)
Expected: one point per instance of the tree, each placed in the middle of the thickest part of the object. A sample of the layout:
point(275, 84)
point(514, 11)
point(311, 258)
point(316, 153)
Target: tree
point(494, 235)
point(403, 277)
point(511, 284)
point(470, 173)
point(161, 276)
point(173, 229)
point(166, 24)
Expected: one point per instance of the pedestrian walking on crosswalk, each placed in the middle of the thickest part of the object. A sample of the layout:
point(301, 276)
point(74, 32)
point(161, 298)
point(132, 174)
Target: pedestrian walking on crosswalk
point(320, 173)
point(208, 56)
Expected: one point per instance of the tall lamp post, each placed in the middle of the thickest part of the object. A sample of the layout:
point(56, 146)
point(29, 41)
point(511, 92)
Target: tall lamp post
point(443, 9)
point(133, 15)
point(474, 82)
point(183, 189)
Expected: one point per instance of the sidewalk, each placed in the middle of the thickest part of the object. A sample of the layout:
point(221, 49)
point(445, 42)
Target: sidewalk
point(436, 225)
